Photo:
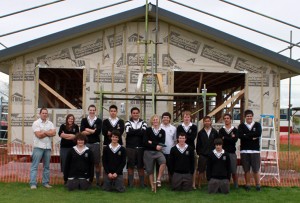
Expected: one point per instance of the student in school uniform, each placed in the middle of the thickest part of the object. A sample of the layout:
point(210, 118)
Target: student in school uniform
point(190, 130)
point(91, 127)
point(154, 141)
point(79, 166)
point(114, 161)
point(113, 122)
point(229, 135)
point(205, 144)
point(182, 165)
point(218, 169)
point(249, 134)
point(135, 129)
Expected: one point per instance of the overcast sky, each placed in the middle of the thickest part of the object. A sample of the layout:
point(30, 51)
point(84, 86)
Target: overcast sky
point(287, 11)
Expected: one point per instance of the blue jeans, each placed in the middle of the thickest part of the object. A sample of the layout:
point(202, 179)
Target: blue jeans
point(37, 155)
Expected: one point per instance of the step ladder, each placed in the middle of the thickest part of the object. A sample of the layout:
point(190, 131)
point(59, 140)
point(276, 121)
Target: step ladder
point(268, 148)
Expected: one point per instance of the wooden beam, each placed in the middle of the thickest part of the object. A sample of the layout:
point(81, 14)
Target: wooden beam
point(52, 91)
point(219, 108)
point(142, 76)
point(231, 92)
point(200, 82)
point(160, 83)
point(84, 104)
point(49, 102)
point(232, 105)
point(157, 94)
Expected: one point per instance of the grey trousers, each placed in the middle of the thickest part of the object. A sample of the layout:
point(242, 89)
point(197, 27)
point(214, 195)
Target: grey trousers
point(182, 181)
point(80, 184)
point(218, 185)
point(117, 184)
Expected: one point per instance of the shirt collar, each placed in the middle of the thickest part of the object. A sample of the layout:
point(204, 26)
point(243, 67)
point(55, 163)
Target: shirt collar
point(218, 154)
point(182, 149)
point(249, 126)
point(114, 149)
point(77, 150)
point(189, 125)
point(41, 121)
point(89, 118)
point(228, 130)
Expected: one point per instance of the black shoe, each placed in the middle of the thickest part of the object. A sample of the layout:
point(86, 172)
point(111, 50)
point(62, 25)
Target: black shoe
point(247, 188)
point(258, 188)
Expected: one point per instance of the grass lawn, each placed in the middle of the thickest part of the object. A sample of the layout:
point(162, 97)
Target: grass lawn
point(20, 192)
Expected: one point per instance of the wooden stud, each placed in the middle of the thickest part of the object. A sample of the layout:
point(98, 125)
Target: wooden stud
point(56, 94)
point(219, 108)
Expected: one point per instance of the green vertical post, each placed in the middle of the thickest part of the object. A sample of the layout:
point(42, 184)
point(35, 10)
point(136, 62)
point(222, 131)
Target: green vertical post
point(204, 90)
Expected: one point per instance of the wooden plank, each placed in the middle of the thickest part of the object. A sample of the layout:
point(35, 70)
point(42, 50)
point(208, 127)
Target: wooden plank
point(232, 106)
point(200, 82)
point(226, 103)
point(9, 104)
point(234, 103)
point(52, 91)
point(49, 102)
point(139, 82)
point(160, 83)
point(156, 94)
point(231, 92)
point(84, 87)
point(145, 75)
point(23, 100)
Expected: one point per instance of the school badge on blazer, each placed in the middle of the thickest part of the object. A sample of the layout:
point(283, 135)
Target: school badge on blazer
point(187, 153)
point(224, 158)
point(119, 153)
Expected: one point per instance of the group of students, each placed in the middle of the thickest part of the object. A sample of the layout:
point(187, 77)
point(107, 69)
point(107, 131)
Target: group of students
point(147, 149)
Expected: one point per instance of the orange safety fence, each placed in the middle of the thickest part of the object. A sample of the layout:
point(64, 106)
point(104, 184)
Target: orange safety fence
point(294, 139)
point(15, 162)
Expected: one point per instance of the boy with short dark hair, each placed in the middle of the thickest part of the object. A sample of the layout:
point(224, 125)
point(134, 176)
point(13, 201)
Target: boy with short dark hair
point(114, 160)
point(113, 122)
point(218, 169)
point(249, 133)
point(79, 167)
point(190, 130)
point(229, 135)
point(135, 129)
point(91, 127)
point(205, 144)
point(182, 165)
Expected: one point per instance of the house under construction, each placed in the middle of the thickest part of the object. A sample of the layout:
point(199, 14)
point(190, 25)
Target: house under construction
point(158, 63)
